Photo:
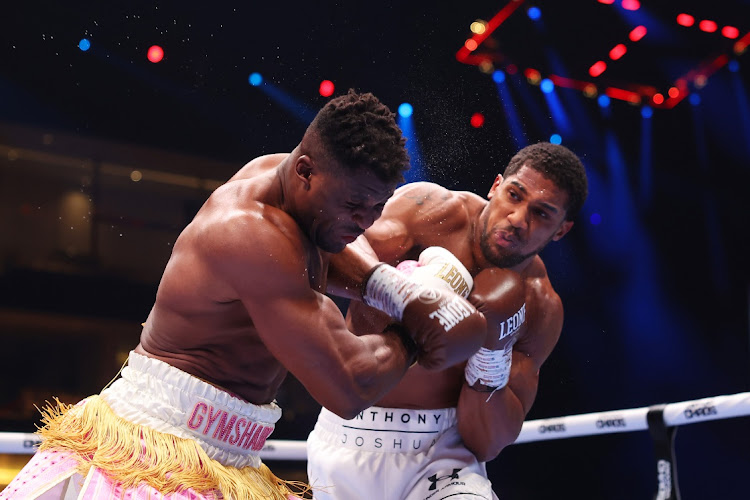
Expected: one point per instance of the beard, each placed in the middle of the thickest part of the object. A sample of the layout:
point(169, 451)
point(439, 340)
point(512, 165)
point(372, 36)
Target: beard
point(501, 257)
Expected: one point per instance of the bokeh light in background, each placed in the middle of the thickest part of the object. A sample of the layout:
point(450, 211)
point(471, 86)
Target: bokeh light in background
point(547, 86)
point(326, 88)
point(597, 68)
point(405, 110)
point(477, 120)
point(84, 44)
point(685, 20)
point(155, 54)
point(255, 79)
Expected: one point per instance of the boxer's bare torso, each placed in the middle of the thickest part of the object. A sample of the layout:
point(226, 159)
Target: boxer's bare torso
point(424, 215)
point(198, 323)
point(242, 298)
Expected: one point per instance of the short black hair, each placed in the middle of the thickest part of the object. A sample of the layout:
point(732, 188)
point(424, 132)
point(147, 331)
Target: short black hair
point(359, 131)
point(560, 165)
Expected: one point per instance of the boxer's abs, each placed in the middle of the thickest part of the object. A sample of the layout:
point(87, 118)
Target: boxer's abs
point(229, 355)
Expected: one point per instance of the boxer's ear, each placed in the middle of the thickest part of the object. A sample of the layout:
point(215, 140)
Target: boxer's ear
point(563, 230)
point(304, 169)
point(498, 181)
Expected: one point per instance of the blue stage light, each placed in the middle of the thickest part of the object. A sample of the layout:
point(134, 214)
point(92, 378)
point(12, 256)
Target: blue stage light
point(603, 101)
point(647, 112)
point(498, 76)
point(555, 139)
point(534, 13)
point(733, 66)
point(695, 99)
point(405, 110)
point(255, 79)
point(595, 219)
point(84, 44)
point(547, 86)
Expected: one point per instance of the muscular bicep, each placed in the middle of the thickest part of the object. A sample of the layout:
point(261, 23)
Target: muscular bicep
point(413, 213)
point(303, 329)
point(545, 319)
point(263, 260)
point(389, 237)
point(533, 349)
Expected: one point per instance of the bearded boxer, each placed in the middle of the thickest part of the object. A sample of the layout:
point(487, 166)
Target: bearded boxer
point(240, 303)
point(431, 435)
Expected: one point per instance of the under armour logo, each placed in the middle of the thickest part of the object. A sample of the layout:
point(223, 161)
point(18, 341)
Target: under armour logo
point(434, 479)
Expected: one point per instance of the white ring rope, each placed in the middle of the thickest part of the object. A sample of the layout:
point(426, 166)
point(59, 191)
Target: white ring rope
point(634, 419)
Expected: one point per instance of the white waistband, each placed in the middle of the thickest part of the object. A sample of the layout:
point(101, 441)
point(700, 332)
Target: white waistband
point(157, 395)
point(394, 430)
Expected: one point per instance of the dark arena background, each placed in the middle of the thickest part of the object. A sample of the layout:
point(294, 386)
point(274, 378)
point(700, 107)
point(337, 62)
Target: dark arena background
point(117, 120)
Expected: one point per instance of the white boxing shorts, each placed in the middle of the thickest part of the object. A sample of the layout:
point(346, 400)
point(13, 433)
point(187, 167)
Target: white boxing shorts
point(157, 432)
point(393, 454)
point(156, 395)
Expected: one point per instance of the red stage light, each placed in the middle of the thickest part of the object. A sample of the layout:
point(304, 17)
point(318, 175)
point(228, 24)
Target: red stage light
point(707, 26)
point(155, 54)
point(477, 120)
point(597, 68)
point(617, 51)
point(600, 84)
point(326, 88)
point(685, 20)
point(623, 95)
point(532, 75)
point(730, 32)
point(637, 33)
point(471, 44)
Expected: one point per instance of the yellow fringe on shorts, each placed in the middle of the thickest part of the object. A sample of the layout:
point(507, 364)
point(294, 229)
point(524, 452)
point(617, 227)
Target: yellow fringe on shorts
point(130, 454)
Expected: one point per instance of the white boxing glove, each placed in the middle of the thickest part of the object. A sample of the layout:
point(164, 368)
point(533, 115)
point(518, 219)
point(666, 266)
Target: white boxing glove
point(438, 267)
point(445, 327)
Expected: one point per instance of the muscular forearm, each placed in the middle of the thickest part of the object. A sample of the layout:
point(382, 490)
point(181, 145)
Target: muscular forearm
point(371, 373)
point(349, 269)
point(488, 426)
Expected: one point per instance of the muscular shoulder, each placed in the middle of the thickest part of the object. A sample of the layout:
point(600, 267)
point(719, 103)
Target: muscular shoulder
point(537, 281)
point(544, 306)
point(415, 215)
point(258, 165)
point(424, 205)
point(243, 237)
